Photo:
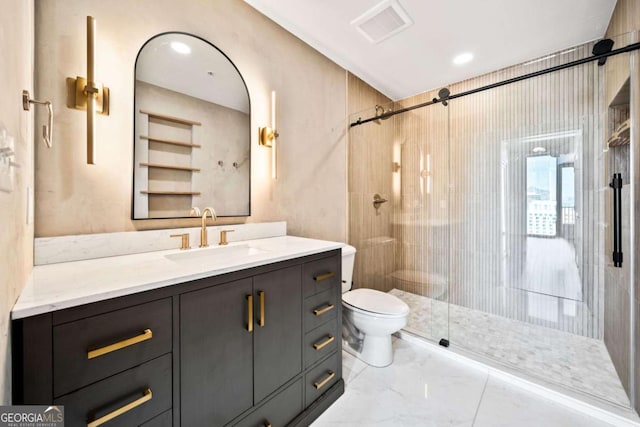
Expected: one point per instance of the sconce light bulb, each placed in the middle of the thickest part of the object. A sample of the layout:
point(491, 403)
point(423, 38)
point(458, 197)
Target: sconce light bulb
point(273, 110)
point(274, 161)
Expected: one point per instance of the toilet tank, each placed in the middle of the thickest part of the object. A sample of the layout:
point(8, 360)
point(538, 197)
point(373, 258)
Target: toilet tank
point(348, 260)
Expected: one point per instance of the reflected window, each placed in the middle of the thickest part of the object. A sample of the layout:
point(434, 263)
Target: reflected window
point(542, 205)
point(568, 195)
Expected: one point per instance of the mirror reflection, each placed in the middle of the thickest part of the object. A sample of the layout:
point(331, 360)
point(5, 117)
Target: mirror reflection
point(192, 130)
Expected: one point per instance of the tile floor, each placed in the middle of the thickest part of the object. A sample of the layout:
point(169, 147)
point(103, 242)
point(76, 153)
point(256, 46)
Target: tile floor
point(578, 363)
point(423, 388)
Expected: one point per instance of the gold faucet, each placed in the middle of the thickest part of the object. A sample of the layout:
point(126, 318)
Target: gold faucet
point(203, 232)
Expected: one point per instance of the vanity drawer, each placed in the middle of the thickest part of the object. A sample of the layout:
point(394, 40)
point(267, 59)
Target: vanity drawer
point(137, 395)
point(320, 342)
point(322, 377)
point(321, 275)
point(321, 307)
point(278, 411)
point(163, 420)
point(88, 350)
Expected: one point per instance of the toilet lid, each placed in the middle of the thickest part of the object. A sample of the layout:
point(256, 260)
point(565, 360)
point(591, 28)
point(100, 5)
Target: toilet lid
point(375, 301)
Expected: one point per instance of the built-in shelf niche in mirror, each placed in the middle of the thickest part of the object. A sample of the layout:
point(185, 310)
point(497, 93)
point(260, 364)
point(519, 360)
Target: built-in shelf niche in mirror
point(192, 130)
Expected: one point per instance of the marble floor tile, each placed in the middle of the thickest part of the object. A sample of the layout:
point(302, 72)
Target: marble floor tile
point(419, 389)
point(423, 388)
point(351, 367)
point(504, 405)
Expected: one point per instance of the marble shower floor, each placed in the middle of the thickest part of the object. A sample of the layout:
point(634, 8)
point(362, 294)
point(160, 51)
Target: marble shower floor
point(424, 388)
point(571, 361)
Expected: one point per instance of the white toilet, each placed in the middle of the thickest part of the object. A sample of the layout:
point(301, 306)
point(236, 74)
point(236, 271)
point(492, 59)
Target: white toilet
point(369, 317)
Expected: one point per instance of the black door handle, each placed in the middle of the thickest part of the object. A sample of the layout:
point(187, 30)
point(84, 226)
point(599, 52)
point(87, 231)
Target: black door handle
point(616, 184)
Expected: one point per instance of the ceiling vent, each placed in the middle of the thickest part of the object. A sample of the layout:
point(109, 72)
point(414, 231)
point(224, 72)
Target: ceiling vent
point(382, 21)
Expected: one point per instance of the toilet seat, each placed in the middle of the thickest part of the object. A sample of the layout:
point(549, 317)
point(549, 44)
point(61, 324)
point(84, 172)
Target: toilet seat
point(375, 302)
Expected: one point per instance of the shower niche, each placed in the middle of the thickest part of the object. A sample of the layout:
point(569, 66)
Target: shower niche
point(619, 132)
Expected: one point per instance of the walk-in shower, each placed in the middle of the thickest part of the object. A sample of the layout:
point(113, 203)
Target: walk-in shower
point(499, 228)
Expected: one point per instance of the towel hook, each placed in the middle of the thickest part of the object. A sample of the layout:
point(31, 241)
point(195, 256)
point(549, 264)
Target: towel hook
point(47, 131)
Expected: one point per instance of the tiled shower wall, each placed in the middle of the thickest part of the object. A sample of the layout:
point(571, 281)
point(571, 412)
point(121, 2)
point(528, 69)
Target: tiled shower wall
point(370, 172)
point(620, 302)
point(461, 223)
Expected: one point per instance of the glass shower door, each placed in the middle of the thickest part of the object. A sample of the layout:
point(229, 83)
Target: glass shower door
point(421, 220)
point(403, 243)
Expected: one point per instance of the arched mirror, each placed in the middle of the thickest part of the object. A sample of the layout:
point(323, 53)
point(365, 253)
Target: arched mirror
point(192, 130)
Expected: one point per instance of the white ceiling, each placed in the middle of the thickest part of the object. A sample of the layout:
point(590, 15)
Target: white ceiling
point(499, 33)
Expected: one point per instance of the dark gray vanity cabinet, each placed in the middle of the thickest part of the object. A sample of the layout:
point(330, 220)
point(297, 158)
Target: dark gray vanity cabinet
point(250, 348)
point(216, 354)
point(239, 342)
point(277, 341)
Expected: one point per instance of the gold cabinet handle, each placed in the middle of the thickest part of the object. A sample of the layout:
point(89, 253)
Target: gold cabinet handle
point(323, 344)
point(262, 298)
point(250, 313)
point(146, 335)
point(148, 395)
point(324, 382)
point(321, 311)
point(325, 276)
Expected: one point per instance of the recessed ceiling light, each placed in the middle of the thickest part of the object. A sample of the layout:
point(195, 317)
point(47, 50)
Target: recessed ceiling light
point(539, 150)
point(181, 48)
point(463, 58)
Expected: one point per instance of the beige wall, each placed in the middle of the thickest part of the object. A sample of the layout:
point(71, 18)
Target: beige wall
point(74, 198)
point(16, 237)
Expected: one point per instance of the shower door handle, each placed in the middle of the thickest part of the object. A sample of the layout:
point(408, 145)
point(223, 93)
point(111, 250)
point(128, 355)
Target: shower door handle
point(616, 184)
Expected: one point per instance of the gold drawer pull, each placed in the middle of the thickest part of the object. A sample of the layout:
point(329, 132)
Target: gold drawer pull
point(324, 382)
point(148, 395)
point(146, 335)
point(250, 313)
point(325, 276)
point(262, 298)
point(321, 311)
point(329, 340)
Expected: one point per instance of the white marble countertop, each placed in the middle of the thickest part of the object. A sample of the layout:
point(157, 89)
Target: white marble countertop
point(68, 284)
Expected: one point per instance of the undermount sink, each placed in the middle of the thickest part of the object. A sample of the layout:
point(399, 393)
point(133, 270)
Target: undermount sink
point(215, 254)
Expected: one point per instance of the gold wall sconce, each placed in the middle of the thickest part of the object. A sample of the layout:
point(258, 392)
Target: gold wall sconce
point(268, 136)
point(87, 94)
